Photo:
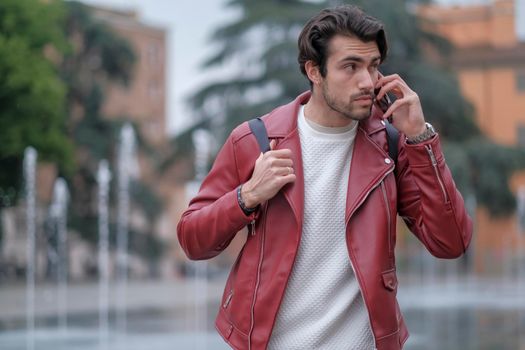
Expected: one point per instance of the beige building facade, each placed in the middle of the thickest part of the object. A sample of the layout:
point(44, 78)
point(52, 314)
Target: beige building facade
point(489, 59)
point(144, 100)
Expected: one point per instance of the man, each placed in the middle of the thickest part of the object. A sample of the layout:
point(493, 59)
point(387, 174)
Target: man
point(317, 270)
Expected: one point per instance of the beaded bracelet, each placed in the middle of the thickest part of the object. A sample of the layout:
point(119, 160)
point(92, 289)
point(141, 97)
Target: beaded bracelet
point(243, 206)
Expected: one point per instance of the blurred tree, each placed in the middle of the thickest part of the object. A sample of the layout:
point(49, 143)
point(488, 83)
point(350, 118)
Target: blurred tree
point(31, 93)
point(260, 45)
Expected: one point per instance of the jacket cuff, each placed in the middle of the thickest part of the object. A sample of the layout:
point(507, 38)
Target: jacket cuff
point(239, 216)
point(418, 155)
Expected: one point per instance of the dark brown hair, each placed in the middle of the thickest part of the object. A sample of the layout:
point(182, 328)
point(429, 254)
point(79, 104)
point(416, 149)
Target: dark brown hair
point(345, 20)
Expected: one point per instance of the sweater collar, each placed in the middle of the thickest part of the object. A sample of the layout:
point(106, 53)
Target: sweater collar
point(283, 120)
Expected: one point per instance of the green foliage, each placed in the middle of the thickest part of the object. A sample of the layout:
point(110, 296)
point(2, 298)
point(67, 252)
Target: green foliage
point(483, 168)
point(31, 94)
point(37, 22)
point(261, 44)
point(491, 166)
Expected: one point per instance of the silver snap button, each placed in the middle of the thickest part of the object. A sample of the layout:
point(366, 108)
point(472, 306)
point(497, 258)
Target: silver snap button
point(388, 161)
point(383, 122)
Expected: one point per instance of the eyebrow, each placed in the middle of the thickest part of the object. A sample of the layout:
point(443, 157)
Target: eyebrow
point(359, 59)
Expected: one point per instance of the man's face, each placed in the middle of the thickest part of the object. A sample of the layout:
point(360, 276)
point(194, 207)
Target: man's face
point(351, 67)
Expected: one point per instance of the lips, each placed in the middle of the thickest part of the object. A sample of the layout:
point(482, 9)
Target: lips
point(364, 99)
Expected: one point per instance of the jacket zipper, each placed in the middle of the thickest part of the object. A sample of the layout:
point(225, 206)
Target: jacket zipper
point(350, 255)
point(434, 164)
point(228, 299)
point(258, 280)
point(388, 217)
point(252, 225)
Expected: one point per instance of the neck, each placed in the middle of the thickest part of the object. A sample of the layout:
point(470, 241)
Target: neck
point(320, 113)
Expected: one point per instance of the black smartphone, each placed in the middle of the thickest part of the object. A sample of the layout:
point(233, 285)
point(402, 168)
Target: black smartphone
point(384, 103)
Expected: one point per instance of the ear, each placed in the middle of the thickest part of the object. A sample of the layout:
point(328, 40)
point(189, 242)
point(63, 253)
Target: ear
point(312, 70)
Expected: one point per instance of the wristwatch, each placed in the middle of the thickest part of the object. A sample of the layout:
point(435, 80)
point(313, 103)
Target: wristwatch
point(425, 135)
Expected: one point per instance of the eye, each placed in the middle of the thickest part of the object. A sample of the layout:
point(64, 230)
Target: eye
point(350, 67)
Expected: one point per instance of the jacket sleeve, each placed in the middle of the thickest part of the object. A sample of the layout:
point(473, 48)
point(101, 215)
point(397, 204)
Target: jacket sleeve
point(214, 215)
point(429, 202)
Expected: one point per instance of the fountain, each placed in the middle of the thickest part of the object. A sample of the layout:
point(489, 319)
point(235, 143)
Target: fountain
point(58, 215)
point(103, 179)
point(127, 168)
point(30, 157)
point(201, 141)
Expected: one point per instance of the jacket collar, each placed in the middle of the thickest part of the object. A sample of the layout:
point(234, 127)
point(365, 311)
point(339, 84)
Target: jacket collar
point(283, 120)
point(369, 165)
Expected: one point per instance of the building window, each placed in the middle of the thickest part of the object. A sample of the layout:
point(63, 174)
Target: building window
point(153, 90)
point(520, 80)
point(153, 54)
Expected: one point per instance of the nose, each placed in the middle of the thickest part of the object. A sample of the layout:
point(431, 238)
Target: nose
point(366, 80)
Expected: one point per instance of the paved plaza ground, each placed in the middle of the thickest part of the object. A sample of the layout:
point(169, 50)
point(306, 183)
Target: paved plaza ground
point(453, 313)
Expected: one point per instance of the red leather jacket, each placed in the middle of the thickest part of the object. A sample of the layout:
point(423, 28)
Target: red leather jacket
point(421, 190)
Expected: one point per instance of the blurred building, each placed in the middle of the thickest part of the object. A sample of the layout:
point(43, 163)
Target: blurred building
point(489, 59)
point(144, 100)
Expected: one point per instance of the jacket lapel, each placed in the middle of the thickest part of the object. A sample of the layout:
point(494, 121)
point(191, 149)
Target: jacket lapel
point(370, 165)
point(281, 124)
point(294, 192)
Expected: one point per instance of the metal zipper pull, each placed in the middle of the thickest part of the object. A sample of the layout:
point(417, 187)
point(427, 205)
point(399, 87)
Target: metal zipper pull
point(252, 224)
point(228, 299)
point(435, 165)
point(431, 154)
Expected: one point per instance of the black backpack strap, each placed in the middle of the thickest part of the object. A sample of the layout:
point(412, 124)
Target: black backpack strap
point(393, 140)
point(259, 130)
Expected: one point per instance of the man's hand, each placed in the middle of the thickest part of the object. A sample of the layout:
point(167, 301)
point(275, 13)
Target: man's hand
point(273, 170)
point(406, 110)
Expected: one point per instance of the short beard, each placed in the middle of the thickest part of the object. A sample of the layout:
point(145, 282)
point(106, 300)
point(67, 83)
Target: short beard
point(345, 111)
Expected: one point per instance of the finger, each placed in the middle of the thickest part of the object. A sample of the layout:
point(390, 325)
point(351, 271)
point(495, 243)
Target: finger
point(280, 153)
point(283, 171)
point(273, 143)
point(281, 162)
point(283, 180)
point(398, 103)
point(383, 79)
point(393, 87)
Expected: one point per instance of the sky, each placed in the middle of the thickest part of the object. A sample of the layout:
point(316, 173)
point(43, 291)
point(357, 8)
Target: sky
point(189, 25)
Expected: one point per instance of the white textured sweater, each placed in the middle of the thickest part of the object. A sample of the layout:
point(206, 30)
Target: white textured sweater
point(322, 307)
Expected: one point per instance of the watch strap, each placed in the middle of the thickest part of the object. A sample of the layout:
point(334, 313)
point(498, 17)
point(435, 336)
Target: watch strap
point(424, 136)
